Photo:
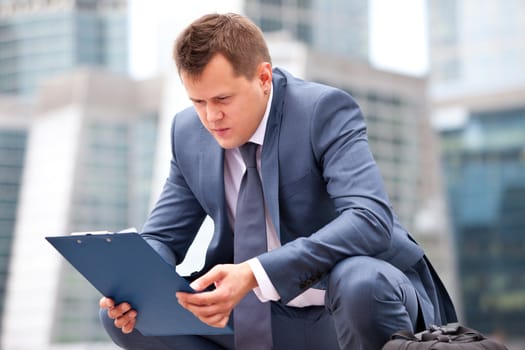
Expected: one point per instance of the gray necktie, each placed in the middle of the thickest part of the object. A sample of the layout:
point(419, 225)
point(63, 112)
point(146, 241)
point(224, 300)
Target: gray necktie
point(252, 319)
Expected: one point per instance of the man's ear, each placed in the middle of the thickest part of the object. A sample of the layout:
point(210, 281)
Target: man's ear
point(264, 75)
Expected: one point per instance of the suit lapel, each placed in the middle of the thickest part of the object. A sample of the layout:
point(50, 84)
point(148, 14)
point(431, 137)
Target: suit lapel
point(211, 171)
point(270, 153)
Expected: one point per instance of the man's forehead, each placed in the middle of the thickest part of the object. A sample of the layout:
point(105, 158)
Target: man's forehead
point(198, 90)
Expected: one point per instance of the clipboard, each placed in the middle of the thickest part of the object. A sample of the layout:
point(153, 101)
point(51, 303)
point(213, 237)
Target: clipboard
point(124, 267)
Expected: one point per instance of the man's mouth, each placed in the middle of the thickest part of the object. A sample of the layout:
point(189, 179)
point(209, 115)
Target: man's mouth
point(220, 131)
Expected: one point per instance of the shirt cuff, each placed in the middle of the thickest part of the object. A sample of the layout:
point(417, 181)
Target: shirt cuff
point(265, 291)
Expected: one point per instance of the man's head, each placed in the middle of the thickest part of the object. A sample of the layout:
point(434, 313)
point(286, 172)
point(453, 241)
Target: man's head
point(225, 67)
point(235, 37)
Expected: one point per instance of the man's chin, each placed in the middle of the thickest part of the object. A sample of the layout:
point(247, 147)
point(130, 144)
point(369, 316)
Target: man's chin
point(227, 144)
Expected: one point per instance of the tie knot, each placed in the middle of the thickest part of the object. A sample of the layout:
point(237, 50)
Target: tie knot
point(248, 152)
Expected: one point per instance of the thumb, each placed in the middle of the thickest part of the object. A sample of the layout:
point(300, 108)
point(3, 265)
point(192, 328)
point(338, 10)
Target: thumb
point(211, 277)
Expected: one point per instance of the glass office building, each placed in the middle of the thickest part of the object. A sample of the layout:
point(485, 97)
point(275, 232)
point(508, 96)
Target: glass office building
point(13, 138)
point(485, 170)
point(89, 166)
point(111, 191)
point(477, 76)
point(40, 38)
point(332, 27)
point(475, 46)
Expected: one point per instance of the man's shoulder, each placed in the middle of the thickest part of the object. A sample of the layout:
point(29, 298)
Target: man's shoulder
point(187, 131)
point(296, 87)
point(188, 115)
point(185, 120)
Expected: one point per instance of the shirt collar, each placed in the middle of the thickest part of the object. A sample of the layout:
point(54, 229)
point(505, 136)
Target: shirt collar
point(258, 135)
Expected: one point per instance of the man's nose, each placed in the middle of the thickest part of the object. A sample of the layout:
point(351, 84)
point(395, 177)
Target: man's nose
point(213, 113)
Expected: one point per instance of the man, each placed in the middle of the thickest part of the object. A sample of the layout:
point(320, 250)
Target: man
point(338, 271)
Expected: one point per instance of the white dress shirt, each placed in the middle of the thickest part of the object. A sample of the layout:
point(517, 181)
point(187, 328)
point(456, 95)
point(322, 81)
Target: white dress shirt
point(233, 171)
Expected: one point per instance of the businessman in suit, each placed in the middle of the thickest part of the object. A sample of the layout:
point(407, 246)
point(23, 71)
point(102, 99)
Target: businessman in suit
point(338, 270)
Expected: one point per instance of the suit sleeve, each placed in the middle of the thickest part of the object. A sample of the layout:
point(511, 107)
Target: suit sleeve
point(177, 215)
point(363, 221)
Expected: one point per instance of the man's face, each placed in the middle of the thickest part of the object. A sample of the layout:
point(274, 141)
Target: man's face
point(229, 106)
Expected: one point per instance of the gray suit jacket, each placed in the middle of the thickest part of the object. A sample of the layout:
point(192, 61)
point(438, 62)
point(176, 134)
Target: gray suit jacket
point(322, 188)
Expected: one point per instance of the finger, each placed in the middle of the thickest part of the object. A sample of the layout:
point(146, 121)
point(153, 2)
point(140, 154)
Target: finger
point(208, 310)
point(106, 303)
point(213, 314)
point(119, 310)
point(189, 298)
point(218, 321)
point(200, 299)
point(125, 319)
point(128, 327)
point(209, 278)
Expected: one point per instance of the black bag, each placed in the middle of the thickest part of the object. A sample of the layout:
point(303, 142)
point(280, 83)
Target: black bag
point(453, 336)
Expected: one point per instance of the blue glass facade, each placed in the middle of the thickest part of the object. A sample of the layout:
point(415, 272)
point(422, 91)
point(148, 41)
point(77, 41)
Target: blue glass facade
point(12, 153)
point(484, 164)
point(322, 25)
point(112, 192)
point(38, 44)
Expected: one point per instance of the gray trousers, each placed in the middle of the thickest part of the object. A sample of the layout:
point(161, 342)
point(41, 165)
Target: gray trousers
point(367, 300)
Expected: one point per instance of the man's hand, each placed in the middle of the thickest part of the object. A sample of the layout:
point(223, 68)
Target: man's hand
point(232, 283)
point(125, 317)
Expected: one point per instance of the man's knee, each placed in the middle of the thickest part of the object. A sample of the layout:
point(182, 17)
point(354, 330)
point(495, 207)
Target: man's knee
point(358, 275)
point(352, 281)
point(359, 283)
point(369, 296)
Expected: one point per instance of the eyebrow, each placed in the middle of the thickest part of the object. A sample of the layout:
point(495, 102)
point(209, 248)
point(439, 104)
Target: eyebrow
point(217, 97)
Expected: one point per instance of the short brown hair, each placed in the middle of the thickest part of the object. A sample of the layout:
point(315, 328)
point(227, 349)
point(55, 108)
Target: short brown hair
point(234, 36)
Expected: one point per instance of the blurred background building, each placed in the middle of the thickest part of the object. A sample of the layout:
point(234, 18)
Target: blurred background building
point(83, 146)
point(477, 92)
point(14, 125)
point(318, 24)
point(42, 38)
point(38, 40)
point(94, 173)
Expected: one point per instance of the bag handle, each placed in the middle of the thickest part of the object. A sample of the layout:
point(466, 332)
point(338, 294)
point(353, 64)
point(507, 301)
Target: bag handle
point(450, 332)
point(404, 335)
point(445, 333)
point(450, 328)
